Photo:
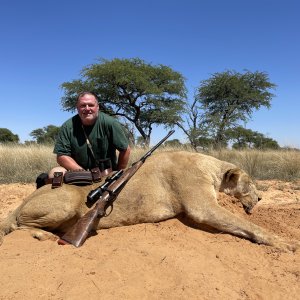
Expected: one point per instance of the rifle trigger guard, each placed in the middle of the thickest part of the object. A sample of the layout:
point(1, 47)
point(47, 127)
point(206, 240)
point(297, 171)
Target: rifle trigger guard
point(111, 209)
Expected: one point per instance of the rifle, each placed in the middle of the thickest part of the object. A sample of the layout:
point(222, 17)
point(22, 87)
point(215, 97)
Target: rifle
point(104, 196)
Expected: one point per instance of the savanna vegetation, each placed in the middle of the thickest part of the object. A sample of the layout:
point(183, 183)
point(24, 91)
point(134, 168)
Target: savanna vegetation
point(22, 163)
point(143, 95)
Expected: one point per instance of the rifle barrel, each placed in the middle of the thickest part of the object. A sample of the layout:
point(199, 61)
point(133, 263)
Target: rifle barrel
point(157, 145)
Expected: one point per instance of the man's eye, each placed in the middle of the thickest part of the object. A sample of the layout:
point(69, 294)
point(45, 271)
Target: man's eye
point(87, 105)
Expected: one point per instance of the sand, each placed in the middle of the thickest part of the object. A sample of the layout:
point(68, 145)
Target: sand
point(167, 260)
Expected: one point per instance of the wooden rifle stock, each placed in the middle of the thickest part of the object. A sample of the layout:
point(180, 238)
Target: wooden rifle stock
point(106, 194)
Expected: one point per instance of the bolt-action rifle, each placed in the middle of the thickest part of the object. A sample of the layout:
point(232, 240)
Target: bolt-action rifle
point(104, 196)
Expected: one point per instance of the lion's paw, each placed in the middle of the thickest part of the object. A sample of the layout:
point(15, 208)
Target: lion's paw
point(287, 246)
point(43, 235)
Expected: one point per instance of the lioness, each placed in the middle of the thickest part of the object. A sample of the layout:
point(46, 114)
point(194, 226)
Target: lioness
point(168, 184)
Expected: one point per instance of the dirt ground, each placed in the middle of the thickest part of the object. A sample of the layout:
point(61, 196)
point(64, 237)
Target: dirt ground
point(167, 260)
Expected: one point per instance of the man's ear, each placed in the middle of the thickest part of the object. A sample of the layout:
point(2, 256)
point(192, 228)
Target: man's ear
point(232, 176)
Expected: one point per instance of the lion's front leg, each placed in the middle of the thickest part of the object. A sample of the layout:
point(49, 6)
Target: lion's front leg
point(221, 219)
point(40, 234)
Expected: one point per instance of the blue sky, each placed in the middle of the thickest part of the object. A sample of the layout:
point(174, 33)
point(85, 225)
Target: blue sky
point(46, 43)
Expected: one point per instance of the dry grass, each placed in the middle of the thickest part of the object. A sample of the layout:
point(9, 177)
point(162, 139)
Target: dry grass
point(22, 163)
point(280, 164)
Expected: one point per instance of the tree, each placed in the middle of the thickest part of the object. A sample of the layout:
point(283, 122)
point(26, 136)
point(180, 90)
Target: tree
point(7, 136)
point(129, 132)
point(45, 135)
point(247, 138)
point(175, 143)
point(241, 137)
point(263, 142)
point(230, 97)
point(195, 128)
point(140, 142)
point(142, 93)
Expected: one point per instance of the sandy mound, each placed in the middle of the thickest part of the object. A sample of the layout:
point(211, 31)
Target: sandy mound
point(168, 260)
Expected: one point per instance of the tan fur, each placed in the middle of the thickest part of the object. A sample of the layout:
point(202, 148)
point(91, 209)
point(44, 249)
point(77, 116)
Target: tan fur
point(168, 184)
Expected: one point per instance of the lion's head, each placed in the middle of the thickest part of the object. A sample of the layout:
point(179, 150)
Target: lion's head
point(237, 183)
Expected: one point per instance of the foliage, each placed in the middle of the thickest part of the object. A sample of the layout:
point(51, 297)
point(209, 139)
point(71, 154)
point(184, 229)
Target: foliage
point(263, 142)
point(142, 93)
point(129, 132)
point(7, 136)
point(140, 142)
point(193, 126)
point(246, 138)
point(45, 135)
point(173, 143)
point(231, 97)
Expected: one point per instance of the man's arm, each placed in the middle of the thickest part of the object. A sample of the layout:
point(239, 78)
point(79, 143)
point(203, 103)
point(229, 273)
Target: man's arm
point(123, 158)
point(67, 162)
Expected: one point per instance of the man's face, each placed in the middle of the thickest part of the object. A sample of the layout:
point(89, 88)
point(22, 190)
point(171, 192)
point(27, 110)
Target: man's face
point(88, 109)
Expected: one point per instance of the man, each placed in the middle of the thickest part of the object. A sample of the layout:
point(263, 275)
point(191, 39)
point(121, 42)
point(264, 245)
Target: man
point(90, 138)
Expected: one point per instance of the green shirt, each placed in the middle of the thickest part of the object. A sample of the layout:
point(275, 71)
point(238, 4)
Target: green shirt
point(105, 136)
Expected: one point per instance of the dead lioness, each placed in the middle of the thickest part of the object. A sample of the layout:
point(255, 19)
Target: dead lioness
point(168, 184)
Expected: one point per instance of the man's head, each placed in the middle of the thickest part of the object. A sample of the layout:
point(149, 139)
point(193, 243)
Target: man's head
point(87, 107)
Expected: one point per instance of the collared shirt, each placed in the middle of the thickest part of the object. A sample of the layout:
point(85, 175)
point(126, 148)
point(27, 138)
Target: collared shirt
point(106, 136)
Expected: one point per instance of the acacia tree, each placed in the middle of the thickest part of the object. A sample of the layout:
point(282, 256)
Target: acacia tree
point(230, 97)
point(7, 136)
point(194, 127)
point(247, 138)
point(142, 93)
point(45, 135)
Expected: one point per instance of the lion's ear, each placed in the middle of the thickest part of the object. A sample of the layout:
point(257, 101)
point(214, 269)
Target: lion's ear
point(232, 175)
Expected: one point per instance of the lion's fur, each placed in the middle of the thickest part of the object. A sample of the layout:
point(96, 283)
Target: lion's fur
point(168, 184)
